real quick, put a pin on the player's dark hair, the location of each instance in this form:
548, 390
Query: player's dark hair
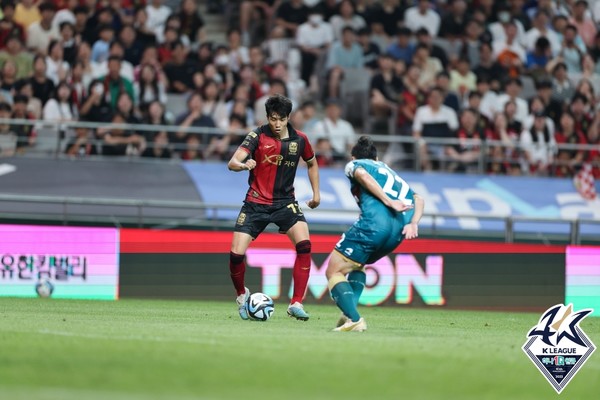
279, 105
364, 148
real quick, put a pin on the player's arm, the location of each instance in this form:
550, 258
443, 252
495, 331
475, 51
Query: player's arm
367, 181
241, 161
411, 230
313, 177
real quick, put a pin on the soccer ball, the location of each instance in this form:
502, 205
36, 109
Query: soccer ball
260, 306
44, 288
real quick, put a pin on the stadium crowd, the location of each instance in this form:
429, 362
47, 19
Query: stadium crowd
513, 83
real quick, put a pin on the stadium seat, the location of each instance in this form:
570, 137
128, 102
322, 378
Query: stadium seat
528, 90
177, 103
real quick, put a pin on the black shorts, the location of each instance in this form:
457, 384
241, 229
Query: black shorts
254, 218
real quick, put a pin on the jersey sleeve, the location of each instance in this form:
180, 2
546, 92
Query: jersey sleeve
308, 153
250, 143
350, 168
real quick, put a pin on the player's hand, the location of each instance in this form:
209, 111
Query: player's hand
411, 231
314, 202
250, 164
399, 206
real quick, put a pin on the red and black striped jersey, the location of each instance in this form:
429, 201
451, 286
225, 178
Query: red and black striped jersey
272, 180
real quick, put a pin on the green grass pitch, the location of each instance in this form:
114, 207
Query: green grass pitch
147, 349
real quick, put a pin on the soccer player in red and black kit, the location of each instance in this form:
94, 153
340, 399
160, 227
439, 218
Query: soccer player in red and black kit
271, 153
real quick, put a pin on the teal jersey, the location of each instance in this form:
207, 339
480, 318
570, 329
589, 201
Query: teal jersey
393, 185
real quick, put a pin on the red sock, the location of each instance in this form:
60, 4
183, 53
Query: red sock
237, 269
301, 270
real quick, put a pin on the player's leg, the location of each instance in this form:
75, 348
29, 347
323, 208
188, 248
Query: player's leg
250, 223
237, 270
341, 291
299, 236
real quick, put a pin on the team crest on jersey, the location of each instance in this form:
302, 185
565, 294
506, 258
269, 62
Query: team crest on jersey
558, 346
293, 149
241, 218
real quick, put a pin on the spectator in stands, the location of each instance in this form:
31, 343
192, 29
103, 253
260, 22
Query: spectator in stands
465, 154
193, 117
65, 13
8, 139
172, 32
8, 26
214, 105
402, 48
487, 106
370, 49
538, 146
386, 88
179, 70
27, 12
506, 25
586, 88
412, 97
346, 17
295, 87
512, 91
309, 115
314, 38
126, 108
505, 156
157, 14
158, 147
118, 141
559, 25
489, 67
471, 42
336, 130
41, 85
552, 108
67, 40
451, 98
569, 160
580, 109
562, 87
240, 101
100, 49
132, 46
422, 16
385, 18
569, 52
145, 34
82, 144
462, 79
541, 28
22, 60
25, 133
192, 24
433, 120
539, 58
289, 16
452, 26
155, 115
114, 83
40, 33
258, 10
582, 22
59, 108
508, 51
536, 106
8, 80
82, 13
57, 69
424, 37
24, 87
343, 54
429, 66
192, 149
149, 88
79, 84
237, 53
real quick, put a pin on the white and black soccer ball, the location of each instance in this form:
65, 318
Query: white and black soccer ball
44, 288
260, 306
